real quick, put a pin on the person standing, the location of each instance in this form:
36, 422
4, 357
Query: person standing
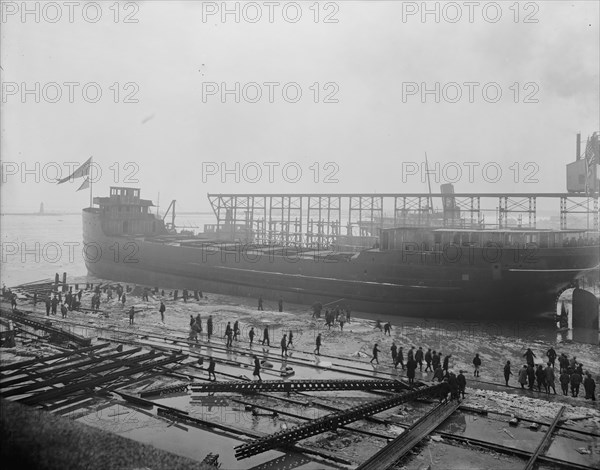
290, 339
131, 315
162, 309
13, 302
523, 376
446, 363
375, 352
211, 370
453, 382
236, 330
280, 304
540, 375
589, 385
260, 303
428, 360
436, 359
550, 378
462, 383
284, 346
400, 359
551, 353
394, 350
123, 299
507, 372
63, 310
438, 373
229, 335
317, 350
251, 335
564, 380
411, 354
575, 383
530, 376
256, 372
411, 367
48, 305
477, 364
529, 355
419, 358
266, 337
209, 327
387, 328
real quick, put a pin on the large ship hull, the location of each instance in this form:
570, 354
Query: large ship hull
459, 283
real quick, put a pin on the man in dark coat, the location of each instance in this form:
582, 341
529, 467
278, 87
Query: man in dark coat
317, 350
251, 335
565, 380
575, 383
411, 367
589, 386
529, 355
476, 364
438, 373
211, 369
453, 382
507, 372
530, 376
162, 309
551, 353
419, 358
400, 359
266, 336
375, 352
428, 360
257, 369
284, 345
394, 350
540, 375
444, 390
550, 378
462, 383
209, 327
446, 362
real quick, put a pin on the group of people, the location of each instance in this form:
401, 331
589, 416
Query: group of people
570, 374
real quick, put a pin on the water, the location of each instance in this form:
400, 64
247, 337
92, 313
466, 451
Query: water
36, 247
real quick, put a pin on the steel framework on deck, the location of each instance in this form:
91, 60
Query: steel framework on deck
320, 220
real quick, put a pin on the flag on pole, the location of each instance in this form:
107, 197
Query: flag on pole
85, 184
83, 170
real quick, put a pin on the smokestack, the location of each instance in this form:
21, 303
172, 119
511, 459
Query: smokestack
578, 147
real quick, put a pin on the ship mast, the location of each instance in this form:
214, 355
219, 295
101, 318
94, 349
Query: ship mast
428, 184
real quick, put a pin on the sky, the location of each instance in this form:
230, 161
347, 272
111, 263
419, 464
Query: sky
310, 97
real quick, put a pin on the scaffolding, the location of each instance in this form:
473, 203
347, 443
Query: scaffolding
355, 220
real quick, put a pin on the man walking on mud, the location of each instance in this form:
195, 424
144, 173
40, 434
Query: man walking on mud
266, 337
375, 352
162, 309
317, 350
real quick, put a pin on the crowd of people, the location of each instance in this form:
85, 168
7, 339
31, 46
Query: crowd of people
569, 372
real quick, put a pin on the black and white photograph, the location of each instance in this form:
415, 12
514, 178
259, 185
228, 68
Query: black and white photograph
308, 235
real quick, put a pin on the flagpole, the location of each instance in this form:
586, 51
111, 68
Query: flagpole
90, 177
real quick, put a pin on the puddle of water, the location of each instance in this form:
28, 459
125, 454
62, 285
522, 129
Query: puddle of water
492, 430
565, 444
194, 443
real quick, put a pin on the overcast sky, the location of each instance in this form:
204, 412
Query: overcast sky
370, 61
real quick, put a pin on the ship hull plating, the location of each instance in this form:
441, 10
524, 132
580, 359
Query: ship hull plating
458, 283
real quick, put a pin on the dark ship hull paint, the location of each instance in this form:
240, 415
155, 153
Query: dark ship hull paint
478, 283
